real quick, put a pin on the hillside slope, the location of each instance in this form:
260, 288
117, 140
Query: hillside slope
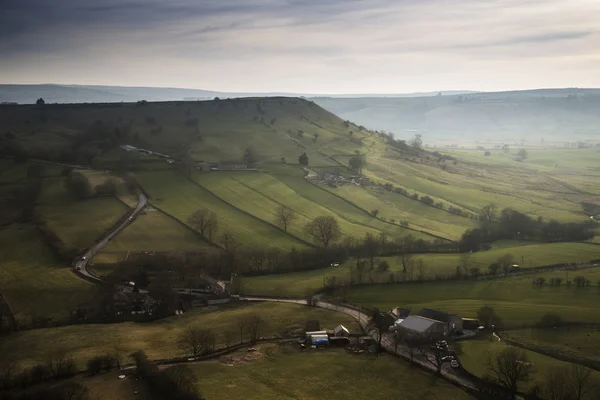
553, 114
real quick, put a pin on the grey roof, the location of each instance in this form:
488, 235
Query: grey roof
434, 314
341, 328
417, 324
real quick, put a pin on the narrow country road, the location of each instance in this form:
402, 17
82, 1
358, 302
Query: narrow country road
81, 266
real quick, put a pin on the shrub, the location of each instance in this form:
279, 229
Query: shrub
550, 320
383, 266
427, 200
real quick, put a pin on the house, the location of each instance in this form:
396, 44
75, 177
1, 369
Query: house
471, 323
452, 323
319, 340
204, 167
400, 313
422, 326
341, 330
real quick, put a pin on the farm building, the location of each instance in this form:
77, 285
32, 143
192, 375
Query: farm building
422, 326
400, 313
340, 331
453, 323
232, 165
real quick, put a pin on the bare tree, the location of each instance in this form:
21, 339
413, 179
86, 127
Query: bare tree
253, 325
371, 248
405, 247
580, 380
284, 216
241, 324
228, 337
488, 213
556, 385
464, 262
71, 391
183, 377
324, 229
421, 268
196, 340
506, 262
205, 221
509, 368
60, 364
187, 164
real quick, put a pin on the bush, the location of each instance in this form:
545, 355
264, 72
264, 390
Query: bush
383, 266
550, 320
427, 200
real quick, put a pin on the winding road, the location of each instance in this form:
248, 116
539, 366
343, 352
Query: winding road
81, 266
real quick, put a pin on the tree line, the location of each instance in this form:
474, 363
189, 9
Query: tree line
512, 224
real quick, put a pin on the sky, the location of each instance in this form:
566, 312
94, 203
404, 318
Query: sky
309, 46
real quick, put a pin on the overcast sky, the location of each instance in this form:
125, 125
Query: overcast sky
309, 46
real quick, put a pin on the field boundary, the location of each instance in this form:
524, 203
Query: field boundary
195, 232
378, 219
253, 216
586, 362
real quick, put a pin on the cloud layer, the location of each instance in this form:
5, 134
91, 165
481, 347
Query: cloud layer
309, 46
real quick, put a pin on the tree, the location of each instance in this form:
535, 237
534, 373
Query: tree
357, 163
579, 380
253, 325
509, 368
464, 262
241, 324
284, 216
250, 157
522, 154
69, 391
371, 248
78, 185
183, 378
383, 266
195, 340
187, 164
417, 141
506, 262
60, 364
488, 213
303, 160
323, 229
40, 102
488, 317
494, 268
405, 248
205, 221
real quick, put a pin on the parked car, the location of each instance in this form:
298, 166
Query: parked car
447, 358
83, 258
454, 364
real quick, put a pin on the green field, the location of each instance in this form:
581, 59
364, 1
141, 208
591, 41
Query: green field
78, 223
476, 354
160, 339
287, 373
573, 342
516, 300
261, 193
172, 192
302, 283
155, 231
33, 282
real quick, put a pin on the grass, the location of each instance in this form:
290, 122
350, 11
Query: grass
476, 354
302, 283
32, 281
516, 300
78, 223
574, 342
155, 231
261, 193
175, 194
287, 373
160, 339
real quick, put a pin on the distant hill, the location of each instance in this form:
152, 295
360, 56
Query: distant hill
28, 94
552, 114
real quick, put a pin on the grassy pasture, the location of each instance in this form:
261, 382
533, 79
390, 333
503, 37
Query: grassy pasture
160, 339
154, 231
175, 194
287, 373
301, 283
576, 342
32, 281
77, 223
516, 300
476, 354
261, 193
